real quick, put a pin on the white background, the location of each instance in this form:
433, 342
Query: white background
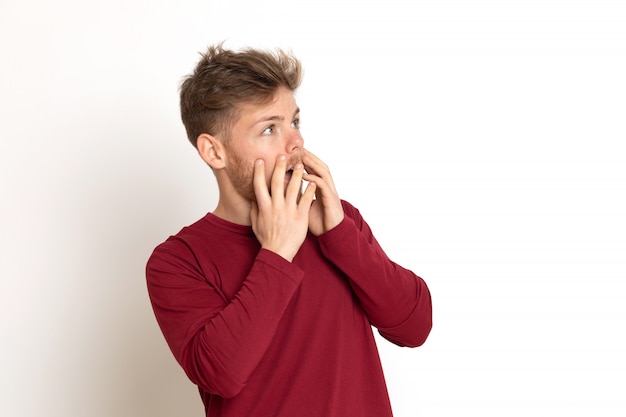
484, 142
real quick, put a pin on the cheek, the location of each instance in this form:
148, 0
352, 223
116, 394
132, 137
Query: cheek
270, 163
269, 157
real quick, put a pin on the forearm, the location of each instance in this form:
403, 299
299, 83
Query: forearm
395, 300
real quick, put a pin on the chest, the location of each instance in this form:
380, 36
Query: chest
322, 282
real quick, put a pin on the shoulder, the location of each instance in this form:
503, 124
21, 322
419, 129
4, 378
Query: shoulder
182, 244
207, 243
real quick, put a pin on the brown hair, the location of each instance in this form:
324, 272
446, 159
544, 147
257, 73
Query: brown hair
223, 78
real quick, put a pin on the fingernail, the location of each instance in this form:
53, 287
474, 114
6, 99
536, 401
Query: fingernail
259, 162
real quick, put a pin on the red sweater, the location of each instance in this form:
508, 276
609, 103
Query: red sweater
263, 337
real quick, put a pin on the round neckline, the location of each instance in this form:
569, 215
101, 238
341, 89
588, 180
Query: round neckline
228, 225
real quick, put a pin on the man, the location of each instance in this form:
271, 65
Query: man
268, 302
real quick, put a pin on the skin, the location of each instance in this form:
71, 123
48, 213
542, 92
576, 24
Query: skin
260, 170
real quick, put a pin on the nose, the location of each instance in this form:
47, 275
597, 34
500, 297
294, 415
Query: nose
295, 142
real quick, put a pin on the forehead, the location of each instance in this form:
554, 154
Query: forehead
281, 105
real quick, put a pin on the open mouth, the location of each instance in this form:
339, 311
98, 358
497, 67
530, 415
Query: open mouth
289, 172
288, 175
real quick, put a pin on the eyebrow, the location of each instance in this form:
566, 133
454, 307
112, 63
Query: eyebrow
279, 118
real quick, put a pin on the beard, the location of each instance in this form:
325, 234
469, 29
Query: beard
242, 176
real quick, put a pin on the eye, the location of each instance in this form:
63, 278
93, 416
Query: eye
269, 130
296, 123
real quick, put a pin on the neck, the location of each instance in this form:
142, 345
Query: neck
231, 206
237, 212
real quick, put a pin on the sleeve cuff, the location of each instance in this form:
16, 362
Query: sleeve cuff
280, 264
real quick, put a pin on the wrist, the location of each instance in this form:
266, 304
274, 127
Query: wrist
285, 254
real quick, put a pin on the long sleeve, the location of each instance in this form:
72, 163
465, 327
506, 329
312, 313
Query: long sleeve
396, 301
218, 339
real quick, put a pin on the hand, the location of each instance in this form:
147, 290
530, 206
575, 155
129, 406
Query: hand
280, 218
326, 211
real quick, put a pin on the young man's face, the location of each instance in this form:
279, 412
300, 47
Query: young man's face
263, 132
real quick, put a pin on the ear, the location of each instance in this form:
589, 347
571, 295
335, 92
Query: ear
211, 150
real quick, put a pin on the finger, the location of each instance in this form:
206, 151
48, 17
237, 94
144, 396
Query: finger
324, 183
317, 171
306, 154
294, 187
309, 153
277, 188
260, 186
307, 197
313, 164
